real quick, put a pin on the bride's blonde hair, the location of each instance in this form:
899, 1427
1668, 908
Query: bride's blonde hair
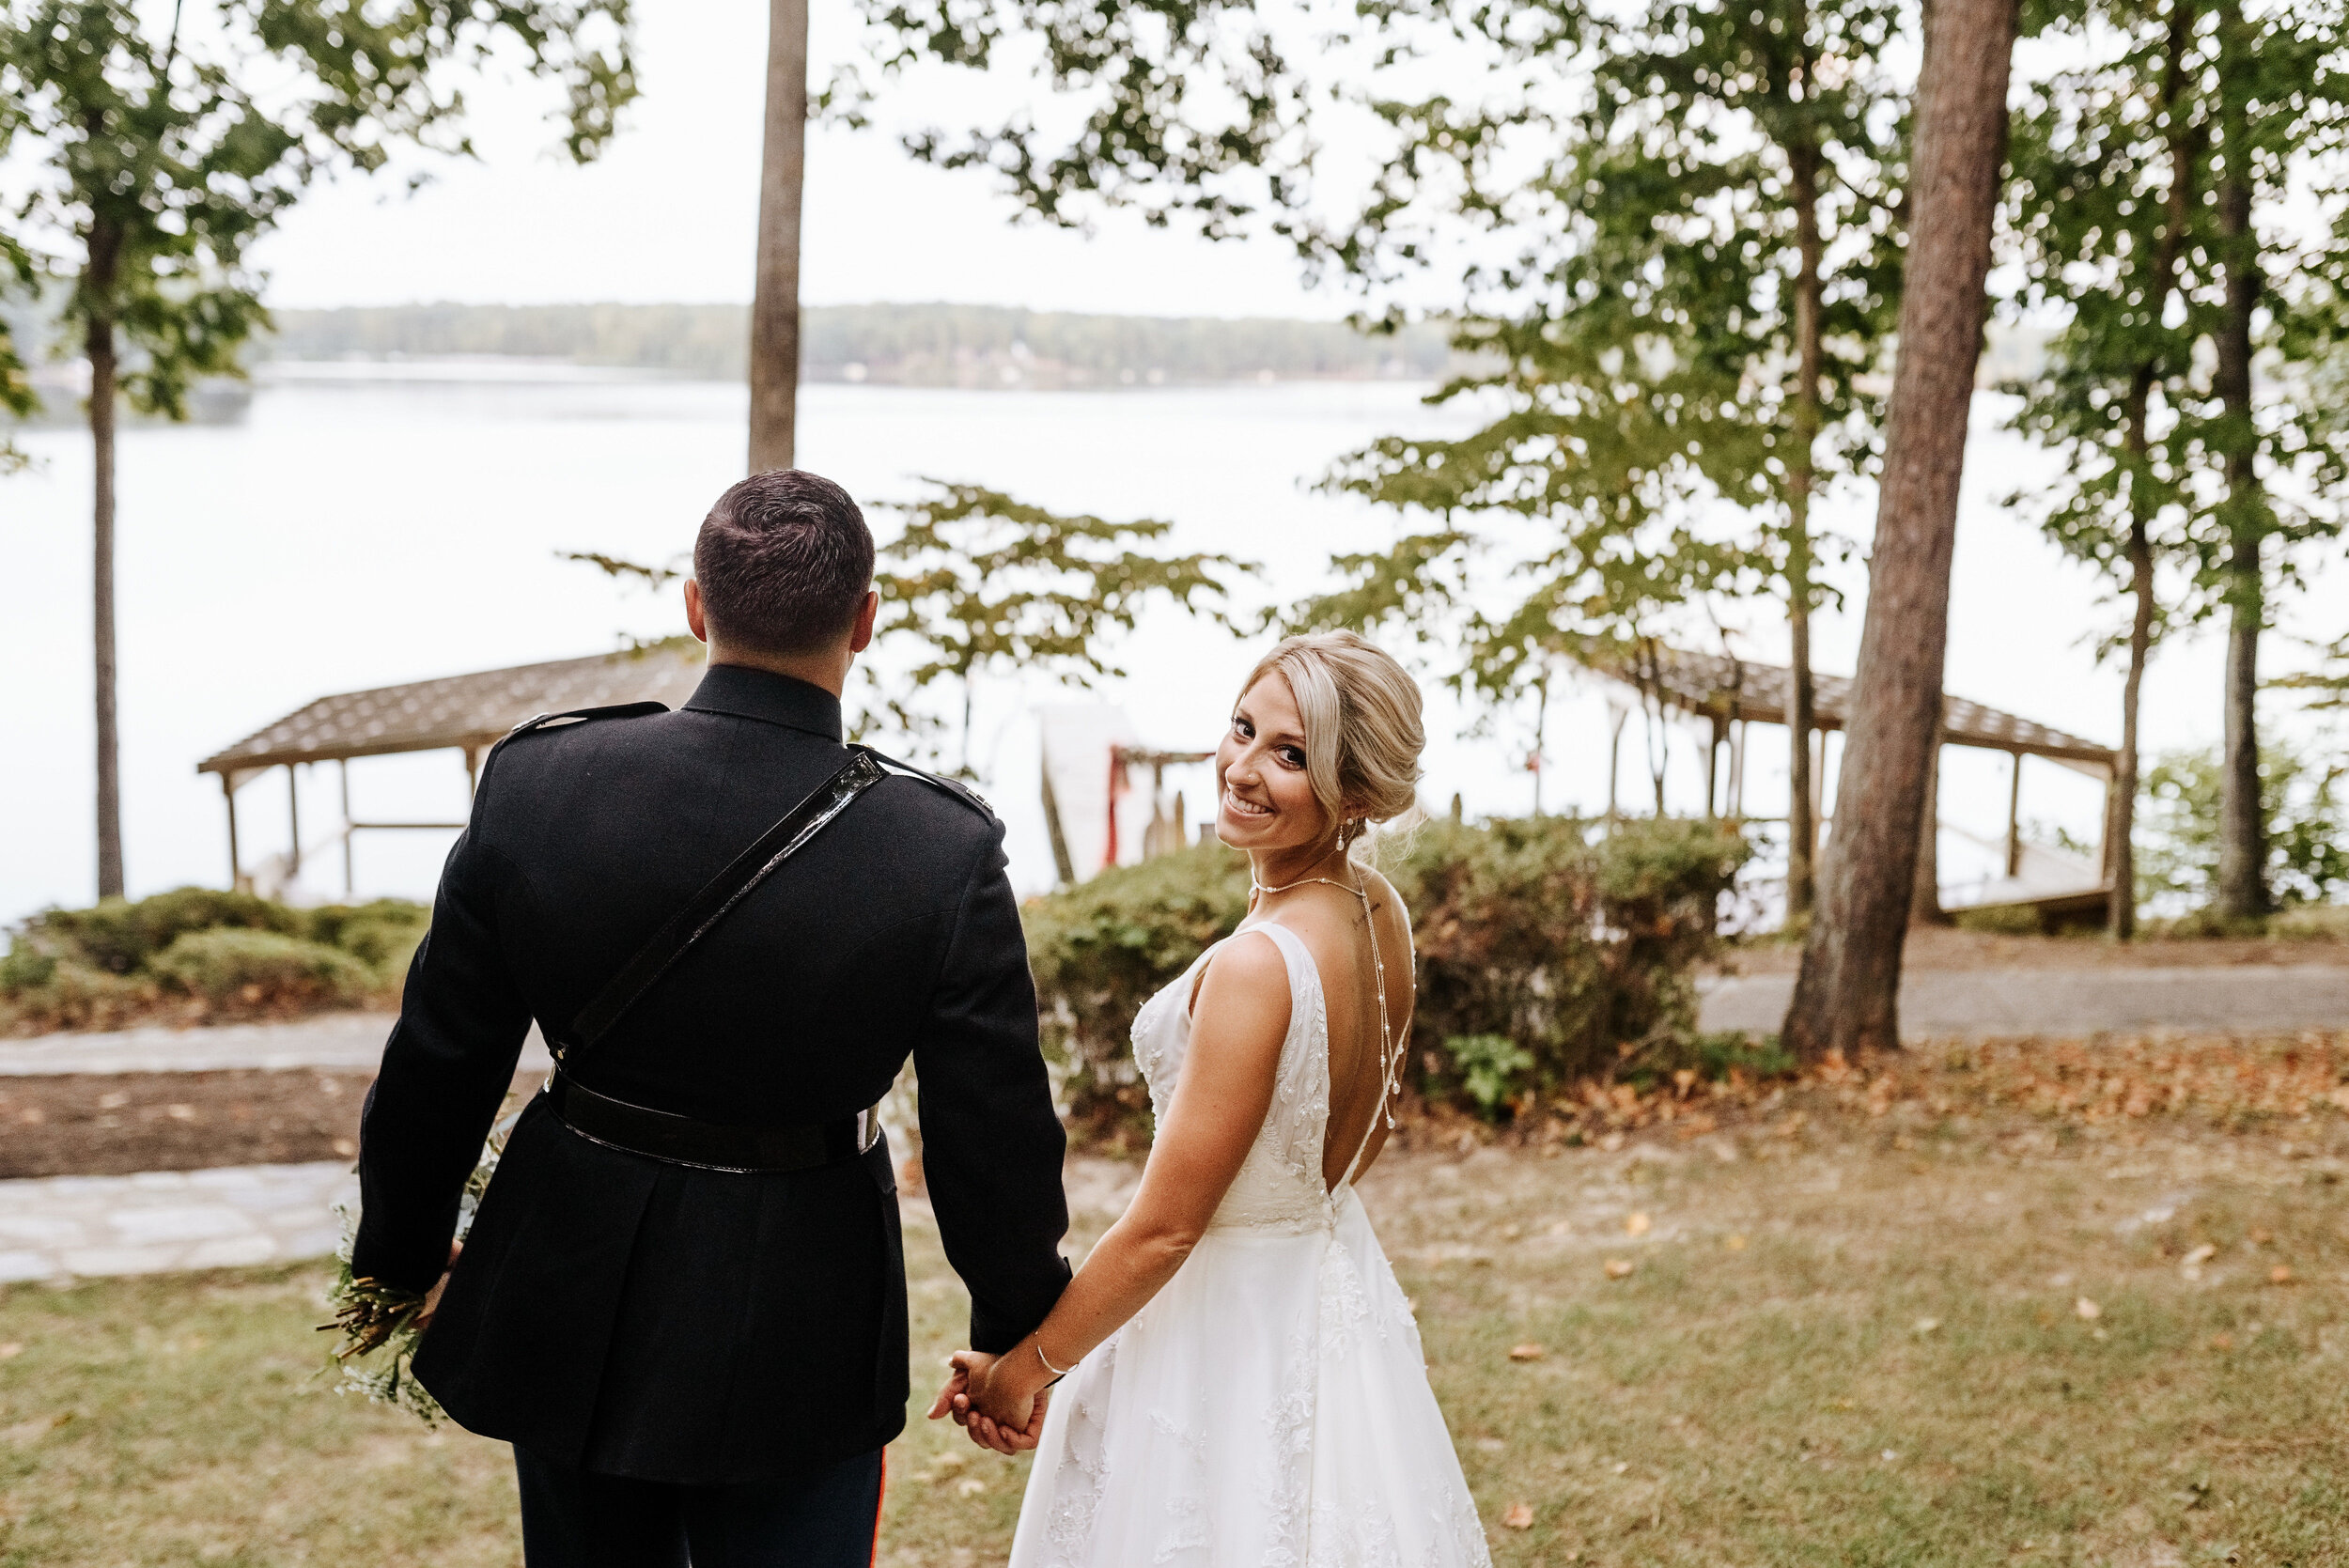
1362, 729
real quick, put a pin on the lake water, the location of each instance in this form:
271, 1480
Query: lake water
361, 531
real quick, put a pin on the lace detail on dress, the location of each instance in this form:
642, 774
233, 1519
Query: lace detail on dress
1279, 1186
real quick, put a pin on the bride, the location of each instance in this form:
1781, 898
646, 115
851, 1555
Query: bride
1244, 1379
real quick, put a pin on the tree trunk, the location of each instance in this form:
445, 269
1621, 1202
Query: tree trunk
98, 342
1924, 903
2120, 824
2121, 821
2242, 829
1847, 995
1802, 828
775, 303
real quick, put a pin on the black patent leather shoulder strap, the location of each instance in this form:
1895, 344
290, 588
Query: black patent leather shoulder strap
717, 899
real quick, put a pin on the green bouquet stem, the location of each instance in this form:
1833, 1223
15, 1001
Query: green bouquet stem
379, 1322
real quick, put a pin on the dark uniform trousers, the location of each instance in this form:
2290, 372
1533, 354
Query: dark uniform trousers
691, 1360
826, 1518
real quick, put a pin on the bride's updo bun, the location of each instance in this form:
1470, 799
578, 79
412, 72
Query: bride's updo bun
1362, 729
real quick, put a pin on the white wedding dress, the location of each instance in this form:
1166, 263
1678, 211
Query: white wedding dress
1269, 1408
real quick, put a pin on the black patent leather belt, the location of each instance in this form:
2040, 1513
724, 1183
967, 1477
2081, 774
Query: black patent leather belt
709, 1146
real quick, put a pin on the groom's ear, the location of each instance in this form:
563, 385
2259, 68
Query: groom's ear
860, 631
694, 621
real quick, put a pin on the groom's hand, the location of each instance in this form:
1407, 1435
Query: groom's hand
954, 1398
432, 1296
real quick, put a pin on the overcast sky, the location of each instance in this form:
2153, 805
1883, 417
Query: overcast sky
670, 212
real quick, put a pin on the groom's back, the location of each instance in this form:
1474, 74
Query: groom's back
804, 1002
689, 1266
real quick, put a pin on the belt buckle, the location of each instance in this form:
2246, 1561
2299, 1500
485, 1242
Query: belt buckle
868, 1129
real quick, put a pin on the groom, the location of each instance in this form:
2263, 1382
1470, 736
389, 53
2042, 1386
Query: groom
683, 1298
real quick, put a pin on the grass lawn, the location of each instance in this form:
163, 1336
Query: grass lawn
1842, 1340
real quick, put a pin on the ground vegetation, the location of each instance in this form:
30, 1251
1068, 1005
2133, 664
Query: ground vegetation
1821, 1334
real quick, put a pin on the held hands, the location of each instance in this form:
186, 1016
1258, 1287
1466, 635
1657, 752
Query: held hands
994, 1399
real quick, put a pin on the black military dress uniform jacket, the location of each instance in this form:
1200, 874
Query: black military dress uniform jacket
638, 1318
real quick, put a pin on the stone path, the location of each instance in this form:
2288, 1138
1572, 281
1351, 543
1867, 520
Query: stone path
2241, 999
352, 1040
53, 1227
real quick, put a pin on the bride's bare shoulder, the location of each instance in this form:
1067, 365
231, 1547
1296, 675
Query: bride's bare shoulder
1249, 972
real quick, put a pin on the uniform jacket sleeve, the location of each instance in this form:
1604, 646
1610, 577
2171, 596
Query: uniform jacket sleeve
992, 1145
447, 1069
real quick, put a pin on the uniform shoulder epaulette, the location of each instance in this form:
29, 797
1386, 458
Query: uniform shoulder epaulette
615, 710
531, 725
960, 791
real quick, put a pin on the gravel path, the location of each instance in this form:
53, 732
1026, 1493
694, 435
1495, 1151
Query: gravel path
2264, 999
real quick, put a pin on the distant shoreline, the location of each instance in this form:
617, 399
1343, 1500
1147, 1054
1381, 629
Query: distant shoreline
972, 347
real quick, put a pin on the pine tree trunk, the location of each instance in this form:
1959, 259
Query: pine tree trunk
2242, 828
1924, 901
98, 344
1847, 995
775, 302
1802, 828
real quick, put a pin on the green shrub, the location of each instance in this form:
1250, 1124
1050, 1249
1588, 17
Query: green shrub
1491, 1067
122, 937
382, 935
232, 965
1569, 945
1100, 949
2000, 920
60, 993
2311, 923
106, 966
1577, 941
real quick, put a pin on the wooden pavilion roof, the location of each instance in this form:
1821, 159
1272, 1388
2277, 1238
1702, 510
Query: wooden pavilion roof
1720, 687
471, 710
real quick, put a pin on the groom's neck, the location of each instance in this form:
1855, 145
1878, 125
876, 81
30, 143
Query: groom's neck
827, 668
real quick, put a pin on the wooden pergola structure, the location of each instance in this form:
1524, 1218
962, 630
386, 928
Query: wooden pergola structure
1732, 693
466, 713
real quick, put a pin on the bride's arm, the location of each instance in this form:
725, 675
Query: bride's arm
1239, 1022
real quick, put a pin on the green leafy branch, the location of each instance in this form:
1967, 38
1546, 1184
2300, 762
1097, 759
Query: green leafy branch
976, 581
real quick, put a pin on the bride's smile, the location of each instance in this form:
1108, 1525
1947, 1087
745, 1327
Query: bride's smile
1264, 793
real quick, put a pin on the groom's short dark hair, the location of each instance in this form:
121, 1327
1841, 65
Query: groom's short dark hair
784, 560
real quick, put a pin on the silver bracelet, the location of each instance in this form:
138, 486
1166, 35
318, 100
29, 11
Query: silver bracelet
1058, 1372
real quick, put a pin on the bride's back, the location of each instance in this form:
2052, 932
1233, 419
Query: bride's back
1329, 919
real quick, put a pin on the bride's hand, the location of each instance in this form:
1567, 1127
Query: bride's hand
1004, 1403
